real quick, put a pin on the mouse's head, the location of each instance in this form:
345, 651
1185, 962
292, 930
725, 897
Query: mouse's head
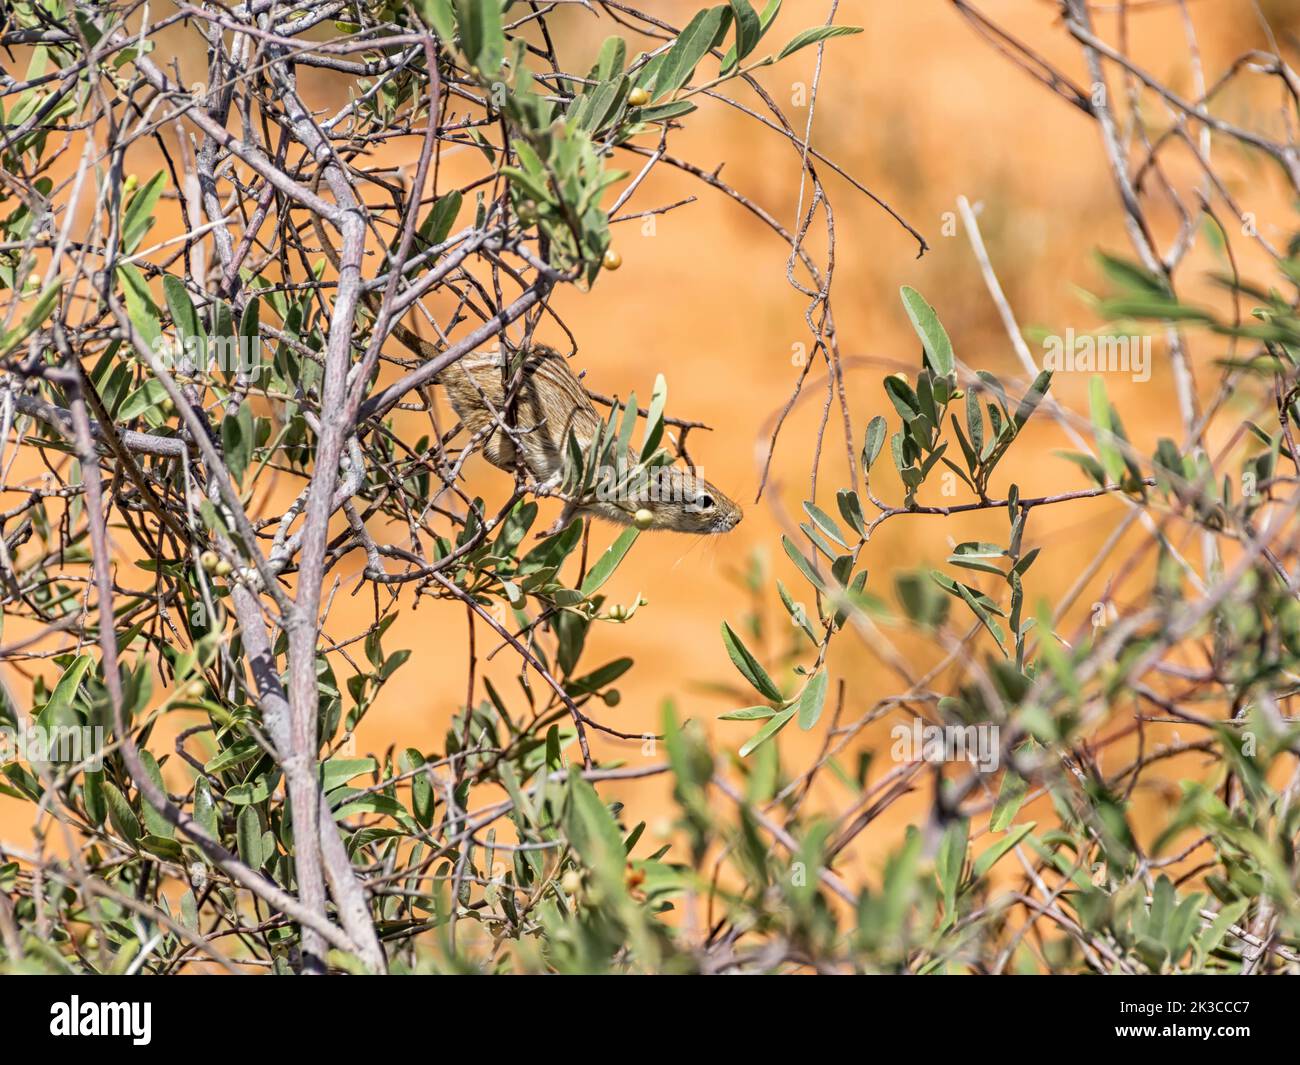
674, 499
702, 508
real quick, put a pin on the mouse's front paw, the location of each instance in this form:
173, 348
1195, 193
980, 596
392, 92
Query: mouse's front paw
561, 523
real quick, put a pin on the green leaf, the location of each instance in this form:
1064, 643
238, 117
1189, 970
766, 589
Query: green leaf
691, 46
238, 435
1087, 463
248, 834
596, 107
798, 614
1032, 398
482, 34
974, 426
972, 555
1132, 277
1021, 567
1162, 904
138, 216
154, 822
599, 678
60, 700
851, 510
769, 730
663, 112
749, 666
609, 561
120, 813
938, 348
190, 911
990, 857
802, 563
258, 790
438, 16
1183, 925
812, 700
874, 441
814, 36
596, 838
1112, 462
393, 663
1162, 310
143, 401
1228, 916
384, 805
749, 713
654, 429
765, 21
35, 317
532, 187
337, 771
611, 62
628, 423
826, 523
92, 795
140, 307
593, 830
240, 751
955, 590
169, 850
922, 601
422, 798
903, 398
205, 810
949, 863
748, 31
553, 550
249, 328
181, 308
437, 224
1011, 795
986, 619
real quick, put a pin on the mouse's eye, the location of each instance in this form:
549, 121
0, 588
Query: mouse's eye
704, 501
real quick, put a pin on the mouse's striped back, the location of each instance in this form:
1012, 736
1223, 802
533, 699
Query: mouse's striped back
549, 403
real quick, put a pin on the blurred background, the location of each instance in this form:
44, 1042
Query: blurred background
921, 110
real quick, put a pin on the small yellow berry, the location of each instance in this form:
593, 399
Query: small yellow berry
223, 568
209, 561
638, 97
571, 881
612, 259
195, 689
643, 518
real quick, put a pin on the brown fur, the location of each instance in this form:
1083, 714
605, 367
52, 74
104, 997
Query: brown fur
550, 403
